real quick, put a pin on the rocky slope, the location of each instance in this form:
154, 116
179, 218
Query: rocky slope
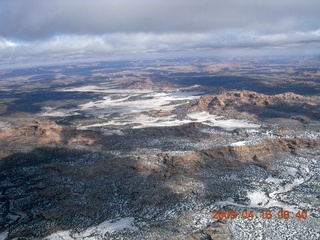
57, 178
233, 157
248, 104
42, 134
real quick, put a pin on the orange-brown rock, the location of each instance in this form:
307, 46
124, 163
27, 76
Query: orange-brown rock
282, 131
203, 103
41, 134
81, 139
238, 102
231, 157
267, 150
159, 113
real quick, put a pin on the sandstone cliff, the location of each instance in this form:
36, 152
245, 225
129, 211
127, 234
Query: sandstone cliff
246, 103
42, 134
233, 157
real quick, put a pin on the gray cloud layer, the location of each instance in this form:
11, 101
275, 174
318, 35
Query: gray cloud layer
40, 18
38, 27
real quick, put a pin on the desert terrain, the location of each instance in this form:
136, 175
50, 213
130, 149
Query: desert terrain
149, 149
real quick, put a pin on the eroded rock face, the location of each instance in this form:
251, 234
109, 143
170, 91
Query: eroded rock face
159, 113
233, 157
38, 128
246, 103
41, 134
267, 150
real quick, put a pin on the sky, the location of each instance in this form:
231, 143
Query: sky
52, 30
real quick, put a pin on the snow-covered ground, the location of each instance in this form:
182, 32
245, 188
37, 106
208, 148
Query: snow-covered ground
135, 103
3, 235
55, 112
96, 232
284, 188
287, 188
122, 107
143, 120
4, 125
239, 144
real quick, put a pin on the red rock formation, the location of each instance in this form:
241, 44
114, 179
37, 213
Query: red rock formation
231, 157
41, 134
237, 103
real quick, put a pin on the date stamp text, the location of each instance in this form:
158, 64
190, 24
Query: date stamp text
264, 214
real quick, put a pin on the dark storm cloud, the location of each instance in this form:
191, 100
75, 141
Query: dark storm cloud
31, 19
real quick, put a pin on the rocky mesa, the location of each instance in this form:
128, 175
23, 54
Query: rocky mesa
253, 105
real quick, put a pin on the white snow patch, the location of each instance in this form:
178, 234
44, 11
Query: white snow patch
54, 112
151, 101
146, 121
227, 124
273, 180
112, 132
4, 125
109, 226
231, 124
96, 125
110, 88
4, 235
229, 201
239, 144
202, 116
292, 171
143, 120
257, 198
250, 131
95, 232
61, 235
234, 177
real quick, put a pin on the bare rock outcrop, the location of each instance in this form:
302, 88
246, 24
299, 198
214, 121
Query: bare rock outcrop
42, 134
25, 138
267, 150
159, 113
232, 157
237, 103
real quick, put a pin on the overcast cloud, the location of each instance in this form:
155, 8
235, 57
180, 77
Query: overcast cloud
69, 28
